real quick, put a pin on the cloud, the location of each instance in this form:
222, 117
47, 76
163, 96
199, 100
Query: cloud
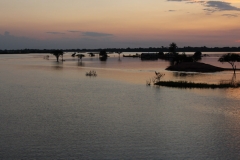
6, 33
221, 6
96, 34
55, 33
177, 0
230, 15
215, 38
187, 1
8, 41
91, 34
211, 6
73, 31
193, 1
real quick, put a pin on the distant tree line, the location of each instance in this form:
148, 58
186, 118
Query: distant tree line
150, 49
175, 58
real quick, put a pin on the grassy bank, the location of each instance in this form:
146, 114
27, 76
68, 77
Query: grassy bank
185, 84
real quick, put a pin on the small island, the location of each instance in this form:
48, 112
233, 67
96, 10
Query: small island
189, 64
195, 67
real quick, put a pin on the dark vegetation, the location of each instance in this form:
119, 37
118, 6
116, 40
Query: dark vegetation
231, 58
185, 84
150, 49
119, 52
177, 58
91, 54
57, 54
156, 80
103, 55
80, 56
91, 73
194, 67
190, 64
180, 62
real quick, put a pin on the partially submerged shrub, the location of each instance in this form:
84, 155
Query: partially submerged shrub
157, 77
148, 82
91, 73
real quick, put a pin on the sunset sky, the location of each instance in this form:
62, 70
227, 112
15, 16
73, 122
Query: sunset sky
125, 23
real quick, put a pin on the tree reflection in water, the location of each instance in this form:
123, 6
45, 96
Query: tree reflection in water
80, 64
232, 81
57, 65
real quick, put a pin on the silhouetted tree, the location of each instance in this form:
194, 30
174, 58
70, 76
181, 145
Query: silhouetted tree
74, 54
181, 57
173, 47
197, 56
157, 77
118, 52
231, 58
173, 55
103, 55
160, 53
80, 56
57, 54
91, 54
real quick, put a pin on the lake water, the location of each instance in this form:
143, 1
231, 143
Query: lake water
51, 110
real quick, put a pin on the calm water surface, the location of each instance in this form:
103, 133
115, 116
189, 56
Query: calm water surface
52, 110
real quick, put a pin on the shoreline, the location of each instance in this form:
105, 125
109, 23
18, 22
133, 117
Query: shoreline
185, 84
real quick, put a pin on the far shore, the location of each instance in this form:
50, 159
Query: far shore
149, 49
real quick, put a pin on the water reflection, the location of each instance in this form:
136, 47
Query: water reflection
57, 65
234, 78
119, 59
232, 81
80, 64
103, 58
132, 69
233, 93
184, 74
111, 119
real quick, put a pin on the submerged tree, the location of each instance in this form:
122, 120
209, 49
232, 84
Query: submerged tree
231, 58
119, 52
173, 47
74, 54
173, 55
197, 56
57, 54
157, 77
91, 54
80, 57
103, 55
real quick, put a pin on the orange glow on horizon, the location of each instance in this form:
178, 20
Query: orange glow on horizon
144, 20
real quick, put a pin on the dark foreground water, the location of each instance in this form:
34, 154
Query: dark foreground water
53, 111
